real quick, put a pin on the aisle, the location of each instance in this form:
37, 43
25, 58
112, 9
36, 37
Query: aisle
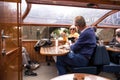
44, 73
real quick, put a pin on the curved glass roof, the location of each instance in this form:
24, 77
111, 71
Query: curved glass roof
112, 20
52, 14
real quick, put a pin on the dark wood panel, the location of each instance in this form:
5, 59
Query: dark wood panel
35, 56
11, 0
101, 4
11, 68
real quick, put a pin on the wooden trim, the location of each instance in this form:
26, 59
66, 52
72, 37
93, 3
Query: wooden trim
18, 1
110, 2
107, 4
105, 26
104, 16
49, 25
33, 24
11, 51
26, 11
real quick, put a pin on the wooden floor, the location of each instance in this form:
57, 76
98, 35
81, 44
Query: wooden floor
46, 72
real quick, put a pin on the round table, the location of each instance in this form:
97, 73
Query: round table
79, 76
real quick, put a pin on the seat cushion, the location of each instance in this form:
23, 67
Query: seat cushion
89, 69
111, 68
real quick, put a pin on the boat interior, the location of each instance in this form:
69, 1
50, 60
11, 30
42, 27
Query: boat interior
24, 22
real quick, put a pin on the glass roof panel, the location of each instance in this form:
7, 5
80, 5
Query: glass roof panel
52, 14
112, 20
24, 6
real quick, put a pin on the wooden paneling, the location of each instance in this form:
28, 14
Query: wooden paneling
10, 64
35, 56
11, 68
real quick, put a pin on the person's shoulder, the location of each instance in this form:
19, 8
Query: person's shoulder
117, 45
76, 33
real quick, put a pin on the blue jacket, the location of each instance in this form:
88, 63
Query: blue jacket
86, 43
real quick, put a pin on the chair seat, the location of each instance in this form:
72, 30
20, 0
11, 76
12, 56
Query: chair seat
111, 68
88, 69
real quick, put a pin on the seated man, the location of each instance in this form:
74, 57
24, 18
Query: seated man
81, 50
27, 63
114, 56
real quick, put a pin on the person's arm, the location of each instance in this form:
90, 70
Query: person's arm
112, 42
87, 38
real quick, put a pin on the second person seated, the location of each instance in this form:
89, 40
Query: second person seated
73, 36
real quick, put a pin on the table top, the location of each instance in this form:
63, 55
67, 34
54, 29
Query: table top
113, 48
79, 76
53, 51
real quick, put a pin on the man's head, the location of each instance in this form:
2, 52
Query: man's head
118, 32
80, 22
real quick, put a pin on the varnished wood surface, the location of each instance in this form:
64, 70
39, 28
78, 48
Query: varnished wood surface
53, 51
113, 48
79, 76
35, 56
10, 64
11, 69
11, 0
102, 4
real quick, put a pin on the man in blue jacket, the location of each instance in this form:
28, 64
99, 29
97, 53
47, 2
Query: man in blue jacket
81, 50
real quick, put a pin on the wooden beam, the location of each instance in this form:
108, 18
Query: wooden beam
103, 17
18, 1
102, 4
106, 26
109, 2
49, 25
26, 11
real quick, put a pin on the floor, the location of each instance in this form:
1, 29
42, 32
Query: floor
46, 72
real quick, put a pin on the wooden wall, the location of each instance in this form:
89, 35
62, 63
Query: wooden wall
35, 56
10, 68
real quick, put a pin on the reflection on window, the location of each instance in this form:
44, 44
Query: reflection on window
41, 32
52, 14
105, 34
113, 20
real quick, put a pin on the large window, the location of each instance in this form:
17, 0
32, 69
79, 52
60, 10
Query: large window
112, 20
41, 32
51, 14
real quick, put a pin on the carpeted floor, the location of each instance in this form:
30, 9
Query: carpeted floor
45, 72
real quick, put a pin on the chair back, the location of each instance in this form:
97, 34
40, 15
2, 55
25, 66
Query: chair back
100, 56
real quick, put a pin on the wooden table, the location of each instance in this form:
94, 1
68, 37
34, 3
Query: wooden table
53, 51
79, 76
113, 49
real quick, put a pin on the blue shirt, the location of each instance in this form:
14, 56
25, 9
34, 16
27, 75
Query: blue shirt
86, 43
